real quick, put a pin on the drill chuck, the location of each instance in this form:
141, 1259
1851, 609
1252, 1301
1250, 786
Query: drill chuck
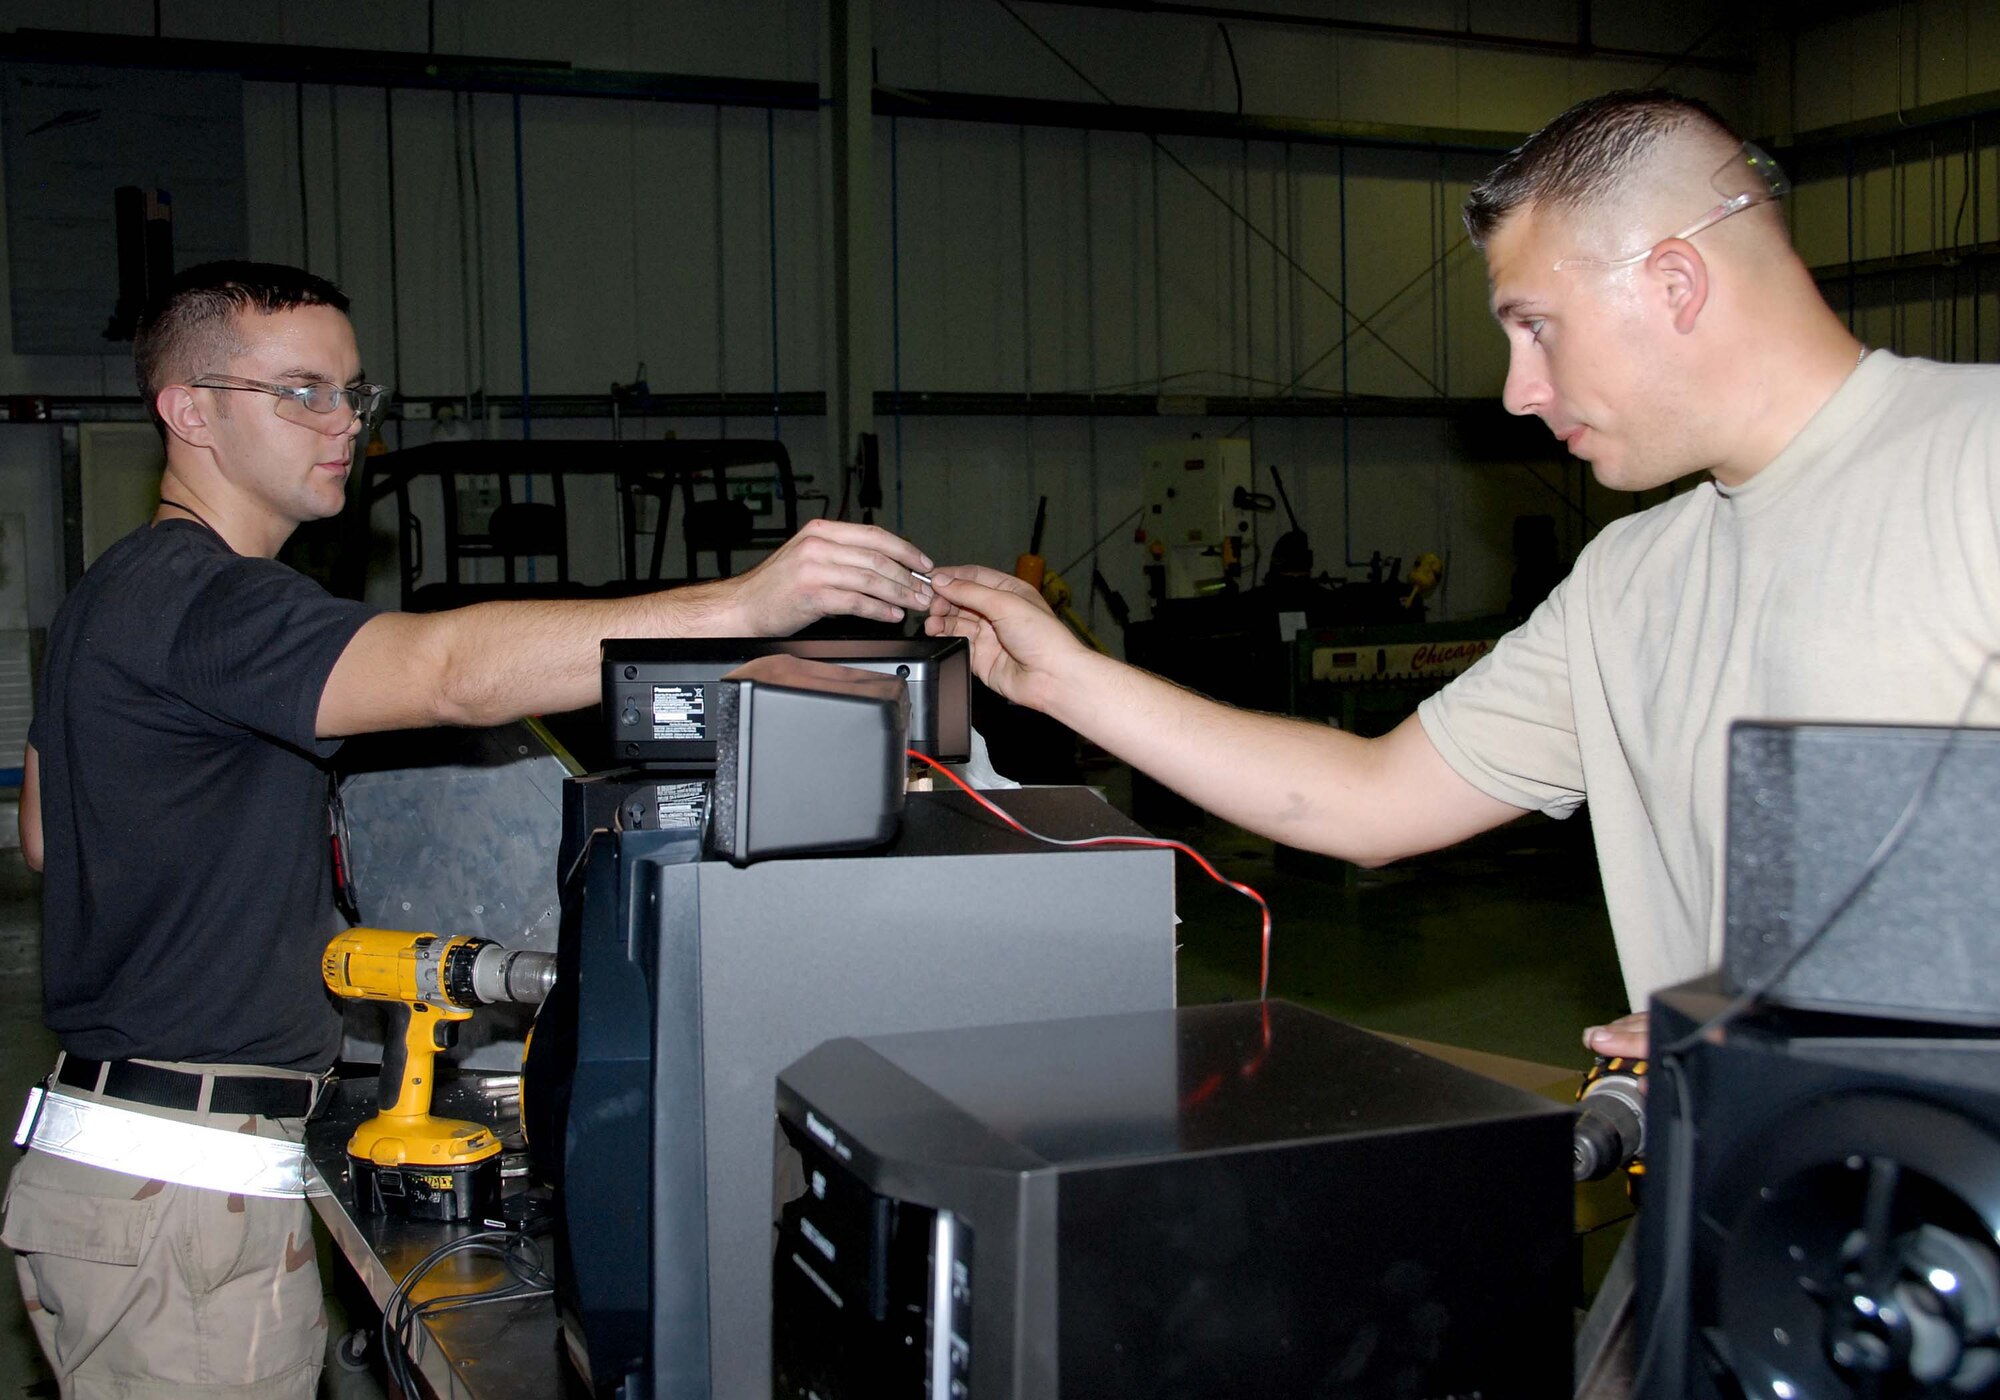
512, 974
1610, 1123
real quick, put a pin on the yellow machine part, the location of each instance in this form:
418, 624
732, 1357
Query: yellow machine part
381, 964
422, 1141
395, 966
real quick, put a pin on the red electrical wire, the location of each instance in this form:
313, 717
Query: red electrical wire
1155, 842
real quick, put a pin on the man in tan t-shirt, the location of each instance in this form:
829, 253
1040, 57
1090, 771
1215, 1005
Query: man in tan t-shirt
1838, 559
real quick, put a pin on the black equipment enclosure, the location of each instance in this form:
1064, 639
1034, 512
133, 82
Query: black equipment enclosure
1822, 1206
660, 693
1248, 1199
809, 758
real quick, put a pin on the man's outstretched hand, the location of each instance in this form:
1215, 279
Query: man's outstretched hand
830, 568
1018, 645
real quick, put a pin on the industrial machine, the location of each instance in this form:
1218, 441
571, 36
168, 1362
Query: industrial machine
405, 1161
1199, 518
1268, 633
1248, 1199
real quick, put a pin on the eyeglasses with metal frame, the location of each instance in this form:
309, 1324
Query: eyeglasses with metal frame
1746, 178
309, 405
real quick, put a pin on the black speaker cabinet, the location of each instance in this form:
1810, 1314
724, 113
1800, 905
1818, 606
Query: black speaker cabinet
1822, 1207
1808, 805
1212, 1202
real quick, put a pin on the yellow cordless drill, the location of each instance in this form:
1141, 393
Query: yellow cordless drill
405, 1161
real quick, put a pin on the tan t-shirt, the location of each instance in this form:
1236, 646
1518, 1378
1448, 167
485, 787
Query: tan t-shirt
1857, 577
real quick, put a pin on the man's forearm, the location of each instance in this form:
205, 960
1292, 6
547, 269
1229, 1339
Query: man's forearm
511, 659
1304, 784
31, 808
494, 662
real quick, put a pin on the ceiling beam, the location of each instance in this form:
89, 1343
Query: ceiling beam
1180, 121
1910, 121
298, 63
1464, 38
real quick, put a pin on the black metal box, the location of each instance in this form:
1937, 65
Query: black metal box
1822, 1205
1243, 1200
659, 693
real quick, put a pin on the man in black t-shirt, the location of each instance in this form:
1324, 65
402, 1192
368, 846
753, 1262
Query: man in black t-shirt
175, 800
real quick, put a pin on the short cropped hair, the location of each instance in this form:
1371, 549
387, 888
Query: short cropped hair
1579, 158
194, 330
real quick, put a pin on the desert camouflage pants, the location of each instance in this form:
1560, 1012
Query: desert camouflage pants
146, 1290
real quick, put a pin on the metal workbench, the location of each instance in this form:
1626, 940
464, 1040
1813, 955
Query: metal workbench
502, 1351
509, 1350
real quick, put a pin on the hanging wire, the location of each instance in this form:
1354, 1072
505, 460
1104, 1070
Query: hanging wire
395, 290
896, 303
1346, 419
1159, 305
333, 143
638, 320
1216, 195
1027, 319
721, 295
1280, 219
521, 276
1234, 70
464, 254
1090, 347
299, 138
1142, 842
478, 234
771, 204
1360, 322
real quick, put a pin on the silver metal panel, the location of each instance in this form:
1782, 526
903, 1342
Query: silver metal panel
456, 831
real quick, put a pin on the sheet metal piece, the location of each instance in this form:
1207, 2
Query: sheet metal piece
456, 831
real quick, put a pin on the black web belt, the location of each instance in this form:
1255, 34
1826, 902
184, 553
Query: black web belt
172, 1088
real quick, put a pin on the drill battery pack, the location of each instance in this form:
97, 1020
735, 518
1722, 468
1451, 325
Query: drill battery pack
461, 1191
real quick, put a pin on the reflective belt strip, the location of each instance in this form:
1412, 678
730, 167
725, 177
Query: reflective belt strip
28, 1116
165, 1149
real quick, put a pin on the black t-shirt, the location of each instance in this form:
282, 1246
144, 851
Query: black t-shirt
187, 894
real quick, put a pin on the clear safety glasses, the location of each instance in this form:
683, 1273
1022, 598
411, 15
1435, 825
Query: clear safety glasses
1746, 178
315, 406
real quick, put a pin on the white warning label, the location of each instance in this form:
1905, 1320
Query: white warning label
681, 804
679, 712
